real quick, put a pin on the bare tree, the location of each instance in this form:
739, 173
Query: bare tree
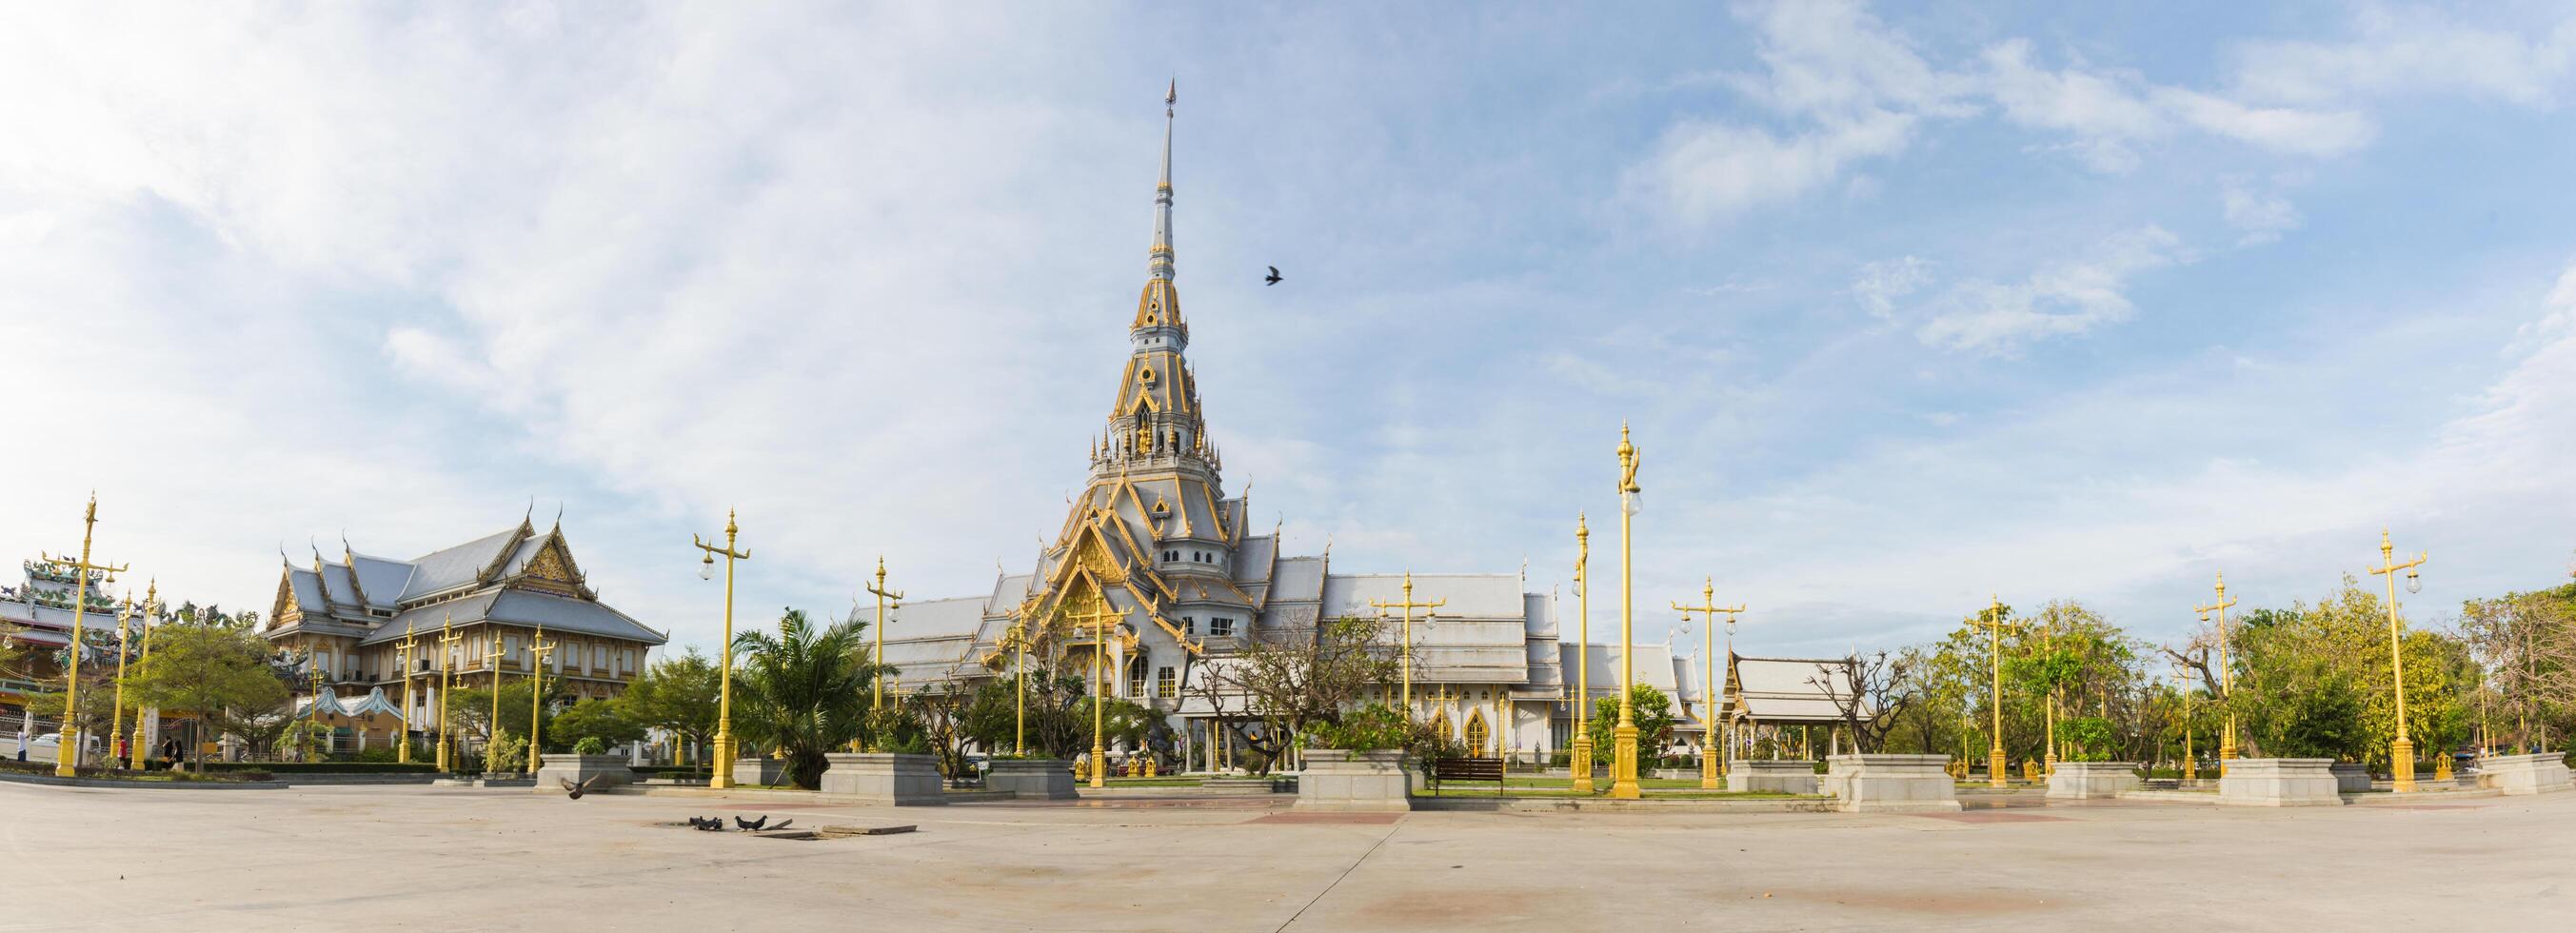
1874, 693
1284, 681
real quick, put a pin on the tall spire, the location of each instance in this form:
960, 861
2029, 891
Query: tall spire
1159, 263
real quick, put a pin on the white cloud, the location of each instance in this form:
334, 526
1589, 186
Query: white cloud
1708, 171
2261, 218
2402, 52
1882, 282
2061, 300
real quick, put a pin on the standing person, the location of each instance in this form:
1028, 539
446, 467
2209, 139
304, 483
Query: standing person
22, 743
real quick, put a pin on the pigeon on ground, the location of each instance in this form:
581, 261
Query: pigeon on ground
751, 825
1274, 277
700, 823
576, 790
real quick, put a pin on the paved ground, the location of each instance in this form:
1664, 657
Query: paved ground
417, 858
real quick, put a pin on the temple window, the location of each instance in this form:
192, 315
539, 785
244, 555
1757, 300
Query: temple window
1166, 686
1221, 627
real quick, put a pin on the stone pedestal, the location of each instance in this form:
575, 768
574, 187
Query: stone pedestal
2279, 782
885, 777
611, 771
2518, 775
2092, 780
1370, 781
1773, 777
2351, 777
759, 771
1031, 778
1893, 783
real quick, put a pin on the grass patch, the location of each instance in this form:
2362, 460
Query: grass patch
1148, 782
1457, 789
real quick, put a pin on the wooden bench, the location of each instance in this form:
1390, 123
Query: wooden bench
1469, 769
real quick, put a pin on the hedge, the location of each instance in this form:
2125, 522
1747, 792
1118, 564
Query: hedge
92, 772
322, 767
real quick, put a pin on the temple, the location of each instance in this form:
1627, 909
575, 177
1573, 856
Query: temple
36, 622
1157, 553
364, 622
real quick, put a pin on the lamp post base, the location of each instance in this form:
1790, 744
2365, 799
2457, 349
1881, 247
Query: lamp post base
67, 755
1099, 766
1995, 773
721, 775
1708, 769
2226, 753
2401, 766
1623, 763
1578, 763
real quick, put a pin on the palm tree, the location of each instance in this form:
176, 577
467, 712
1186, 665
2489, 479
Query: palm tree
804, 691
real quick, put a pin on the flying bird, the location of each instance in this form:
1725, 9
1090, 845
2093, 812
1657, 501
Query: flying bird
751, 825
576, 790
1274, 277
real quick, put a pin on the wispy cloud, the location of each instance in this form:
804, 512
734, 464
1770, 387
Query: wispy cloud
2063, 299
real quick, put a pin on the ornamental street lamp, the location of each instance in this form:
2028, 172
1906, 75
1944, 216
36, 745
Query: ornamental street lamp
68, 754
135, 746
447, 640
493, 746
116, 713
721, 773
1623, 739
1708, 610
1406, 656
1993, 620
882, 595
405, 654
538, 651
2226, 673
1579, 763
1099, 619
2401, 753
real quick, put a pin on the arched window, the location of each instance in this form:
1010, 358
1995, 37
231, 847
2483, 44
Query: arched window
1440, 724
1476, 734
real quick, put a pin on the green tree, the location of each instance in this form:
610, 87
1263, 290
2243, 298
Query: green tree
469, 709
676, 695
224, 673
1653, 712
592, 718
804, 691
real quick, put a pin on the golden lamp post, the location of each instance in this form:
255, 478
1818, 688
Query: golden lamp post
492, 746
447, 640
882, 594
721, 775
1993, 620
134, 747
2226, 673
68, 754
1020, 676
116, 707
1406, 656
2048, 636
538, 651
1623, 739
313, 708
1579, 763
404, 653
1098, 766
2401, 753
1708, 610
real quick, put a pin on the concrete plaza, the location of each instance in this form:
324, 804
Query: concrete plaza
418, 858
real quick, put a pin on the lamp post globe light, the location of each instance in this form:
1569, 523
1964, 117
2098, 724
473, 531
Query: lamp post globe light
720, 775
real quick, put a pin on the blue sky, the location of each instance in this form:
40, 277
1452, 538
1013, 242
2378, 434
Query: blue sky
1905, 305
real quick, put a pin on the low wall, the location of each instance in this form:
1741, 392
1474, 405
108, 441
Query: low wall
2279, 782
885, 777
1372, 781
2519, 775
2092, 780
1893, 783
1772, 777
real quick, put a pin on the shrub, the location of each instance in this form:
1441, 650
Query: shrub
590, 745
1375, 726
